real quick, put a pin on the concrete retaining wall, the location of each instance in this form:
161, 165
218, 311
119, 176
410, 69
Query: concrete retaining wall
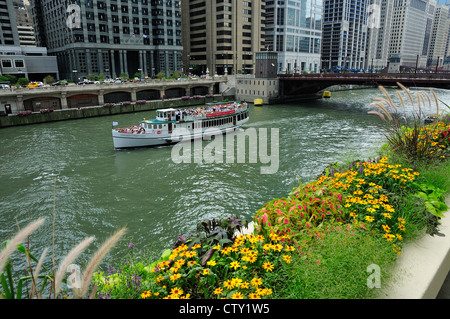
94, 111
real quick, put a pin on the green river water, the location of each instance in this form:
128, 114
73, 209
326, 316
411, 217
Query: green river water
99, 190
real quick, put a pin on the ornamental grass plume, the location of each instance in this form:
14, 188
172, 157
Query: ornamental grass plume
97, 259
70, 257
12, 244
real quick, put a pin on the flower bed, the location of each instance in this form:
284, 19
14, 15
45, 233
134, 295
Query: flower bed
45, 111
25, 113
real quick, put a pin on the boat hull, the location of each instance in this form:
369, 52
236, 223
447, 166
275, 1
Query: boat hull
127, 140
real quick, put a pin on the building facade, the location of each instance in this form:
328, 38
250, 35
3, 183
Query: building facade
439, 36
412, 22
110, 37
24, 23
8, 26
344, 38
221, 36
379, 34
294, 31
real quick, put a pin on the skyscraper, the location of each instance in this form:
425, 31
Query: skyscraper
344, 38
222, 35
110, 36
24, 23
294, 31
8, 25
439, 36
412, 22
379, 33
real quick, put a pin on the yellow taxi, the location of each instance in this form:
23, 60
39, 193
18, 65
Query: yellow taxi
33, 85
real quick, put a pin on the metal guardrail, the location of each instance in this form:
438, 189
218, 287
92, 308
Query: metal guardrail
368, 76
127, 85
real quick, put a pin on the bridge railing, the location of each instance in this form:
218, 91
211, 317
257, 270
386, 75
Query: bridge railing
368, 76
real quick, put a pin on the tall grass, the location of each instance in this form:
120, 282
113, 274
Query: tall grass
9, 289
404, 132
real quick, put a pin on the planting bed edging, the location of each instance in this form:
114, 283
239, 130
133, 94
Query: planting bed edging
423, 266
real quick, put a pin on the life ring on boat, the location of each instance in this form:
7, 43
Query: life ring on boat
159, 132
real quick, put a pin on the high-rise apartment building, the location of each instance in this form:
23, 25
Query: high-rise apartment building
294, 31
344, 37
439, 36
110, 36
379, 34
222, 36
412, 22
8, 25
443, 2
24, 23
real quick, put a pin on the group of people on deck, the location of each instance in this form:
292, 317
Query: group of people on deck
132, 130
211, 109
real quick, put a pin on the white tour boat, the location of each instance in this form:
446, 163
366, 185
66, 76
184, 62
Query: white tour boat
173, 125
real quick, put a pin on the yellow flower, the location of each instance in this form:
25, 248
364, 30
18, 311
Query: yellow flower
287, 258
196, 246
211, 263
236, 282
176, 291
205, 271
237, 295
235, 264
254, 296
256, 282
217, 247
289, 248
268, 266
370, 219
386, 228
228, 284
218, 291
175, 277
146, 294
245, 285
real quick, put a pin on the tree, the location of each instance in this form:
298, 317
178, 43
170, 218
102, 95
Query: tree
124, 76
92, 77
176, 74
101, 77
49, 79
137, 75
160, 75
8, 78
23, 82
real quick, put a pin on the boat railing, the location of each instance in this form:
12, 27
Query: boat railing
202, 116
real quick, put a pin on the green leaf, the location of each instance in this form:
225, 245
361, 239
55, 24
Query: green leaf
166, 253
421, 195
6, 290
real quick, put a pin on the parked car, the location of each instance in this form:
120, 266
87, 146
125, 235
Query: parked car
58, 83
4, 86
85, 81
33, 85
